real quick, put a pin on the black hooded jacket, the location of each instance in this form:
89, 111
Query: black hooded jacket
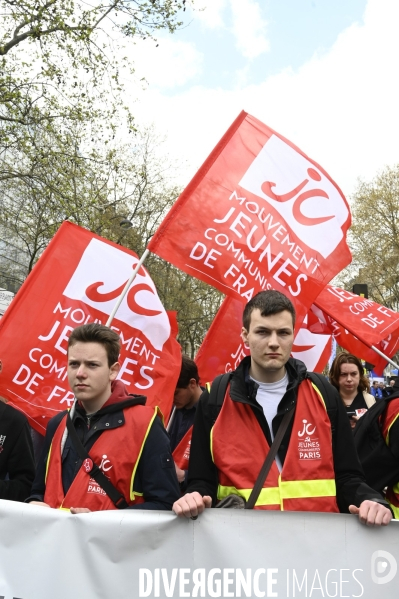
350, 483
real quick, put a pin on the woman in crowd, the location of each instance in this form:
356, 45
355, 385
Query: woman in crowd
347, 375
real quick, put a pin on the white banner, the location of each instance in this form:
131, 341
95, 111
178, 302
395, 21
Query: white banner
50, 554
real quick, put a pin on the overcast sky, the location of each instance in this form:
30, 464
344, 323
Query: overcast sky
323, 73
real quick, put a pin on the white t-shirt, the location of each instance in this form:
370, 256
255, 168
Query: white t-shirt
269, 396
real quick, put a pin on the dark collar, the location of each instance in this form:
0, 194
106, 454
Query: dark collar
243, 389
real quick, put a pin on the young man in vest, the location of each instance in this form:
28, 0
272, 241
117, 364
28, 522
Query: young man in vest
316, 467
117, 432
186, 397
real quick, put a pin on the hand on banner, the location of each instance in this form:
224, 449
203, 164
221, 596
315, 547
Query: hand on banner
372, 513
41, 503
191, 505
80, 510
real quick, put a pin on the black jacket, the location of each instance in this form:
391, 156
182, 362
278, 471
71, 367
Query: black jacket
350, 483
155, 476
17, 466
394, 430
380, 462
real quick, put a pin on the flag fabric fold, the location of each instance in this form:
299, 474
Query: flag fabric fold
356, 324
259, 214
78, 279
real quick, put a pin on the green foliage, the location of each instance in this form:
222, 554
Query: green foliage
61, 108
55, 181
196, 302
58, 66
374, 237
131, 186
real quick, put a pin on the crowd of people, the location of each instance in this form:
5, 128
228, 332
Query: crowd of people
269, 435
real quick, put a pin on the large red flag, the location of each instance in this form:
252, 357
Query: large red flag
77, 280
259, 214
223, 349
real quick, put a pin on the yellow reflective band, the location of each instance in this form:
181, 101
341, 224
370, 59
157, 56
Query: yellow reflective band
395, 511
295, 489
279, 484
269, 496
64, 509
48, 462
161, 416
319, 394
389, 428
395, 488
211, 442
49, 454
132, 493
287, 490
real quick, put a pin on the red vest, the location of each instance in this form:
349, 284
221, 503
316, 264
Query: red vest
307, 480
181, 453
388, 418
117, 451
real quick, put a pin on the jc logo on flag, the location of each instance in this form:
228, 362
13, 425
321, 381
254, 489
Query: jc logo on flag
265, 217
99, 280
78, 280
306, 199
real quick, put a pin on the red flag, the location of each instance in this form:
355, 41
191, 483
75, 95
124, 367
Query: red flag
223, 349
259, 214
388, 346
314, 349
77, 280
368, 321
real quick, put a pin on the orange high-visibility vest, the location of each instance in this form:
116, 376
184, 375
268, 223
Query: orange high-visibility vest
307, 480
387, 419
181, 453
116, 451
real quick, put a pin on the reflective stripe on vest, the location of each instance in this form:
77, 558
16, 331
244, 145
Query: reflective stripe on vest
309, 455
390, 416
392, 495
156, 412
117, 451
293, 489
389, 428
